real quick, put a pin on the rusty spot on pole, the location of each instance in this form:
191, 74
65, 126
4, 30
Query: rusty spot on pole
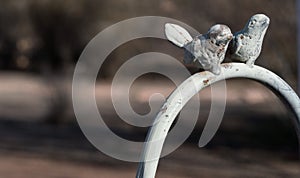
205, 82
164, 109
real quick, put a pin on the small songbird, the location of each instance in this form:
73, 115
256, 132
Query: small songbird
208, 49
247, 44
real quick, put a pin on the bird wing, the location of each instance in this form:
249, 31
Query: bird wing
235, 45
177, 34
238, 43
188, 53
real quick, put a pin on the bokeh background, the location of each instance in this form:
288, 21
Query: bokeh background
40, 43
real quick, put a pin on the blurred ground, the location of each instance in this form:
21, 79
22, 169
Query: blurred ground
255, 140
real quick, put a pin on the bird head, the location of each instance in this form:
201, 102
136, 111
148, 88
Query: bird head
258, 23
220, 34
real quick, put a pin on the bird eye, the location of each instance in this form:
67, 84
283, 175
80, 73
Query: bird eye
223, 35
253, 22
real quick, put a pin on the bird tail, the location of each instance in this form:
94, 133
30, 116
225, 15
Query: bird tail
177, 34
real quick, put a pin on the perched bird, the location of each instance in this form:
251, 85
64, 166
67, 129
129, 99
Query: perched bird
208, 49
247, 43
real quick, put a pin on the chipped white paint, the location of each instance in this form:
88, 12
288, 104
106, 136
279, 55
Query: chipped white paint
183, 94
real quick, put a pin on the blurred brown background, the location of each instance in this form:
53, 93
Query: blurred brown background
40, 43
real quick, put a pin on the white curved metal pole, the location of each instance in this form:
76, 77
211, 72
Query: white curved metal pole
183, 94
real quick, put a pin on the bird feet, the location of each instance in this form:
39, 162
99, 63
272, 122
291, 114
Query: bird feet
250, 63
215, 70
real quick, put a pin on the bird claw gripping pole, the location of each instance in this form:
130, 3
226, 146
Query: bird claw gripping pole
183, 93
158, 131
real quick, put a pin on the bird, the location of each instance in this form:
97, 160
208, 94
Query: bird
246, 44
206, 51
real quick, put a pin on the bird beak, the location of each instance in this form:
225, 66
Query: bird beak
266, 22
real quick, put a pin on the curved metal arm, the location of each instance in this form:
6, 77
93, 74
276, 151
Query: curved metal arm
171, 108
